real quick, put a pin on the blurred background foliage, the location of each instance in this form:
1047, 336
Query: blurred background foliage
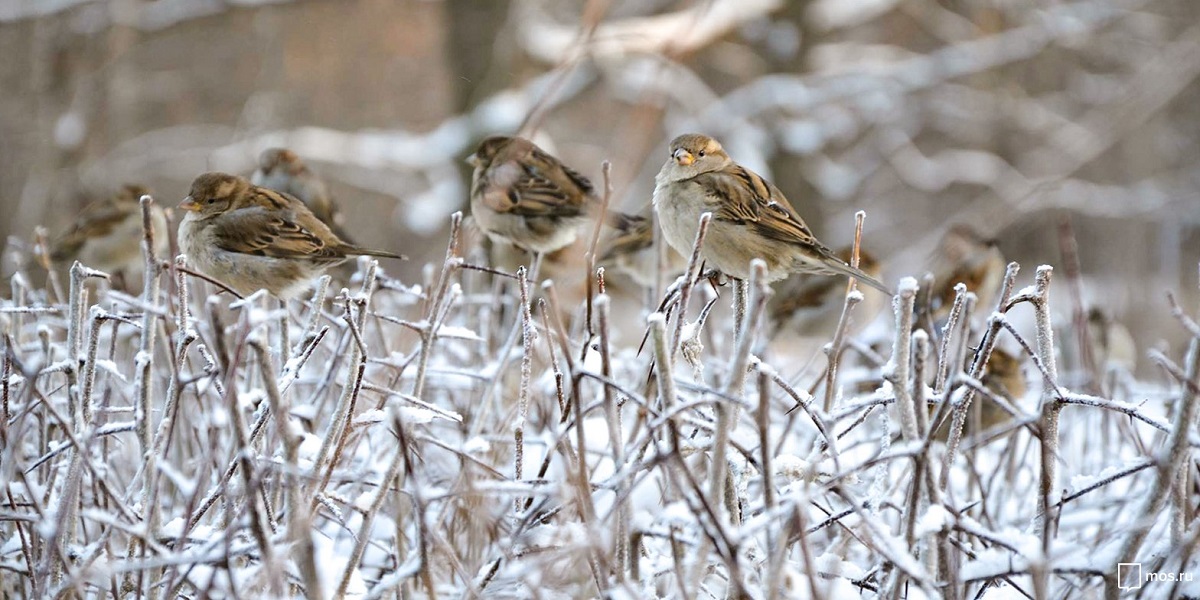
1012, 116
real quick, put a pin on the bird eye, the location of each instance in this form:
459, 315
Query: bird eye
211, 200
701, 153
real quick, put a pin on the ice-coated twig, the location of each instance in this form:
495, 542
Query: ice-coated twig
527, 335
1187, 322
605, 198
86, 408
727, 413
314, 316
833, 350
616, 439
449, 271
958, 313
212, 280
75, 305
664, 375
901, 372
1170, 461
65, 516
689, 281
259, 523
959, 412
285, 342
1048, 485
355, 314
299, 516
150, 285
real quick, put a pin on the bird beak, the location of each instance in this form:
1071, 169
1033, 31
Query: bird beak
189, 204
683, 157
472, 160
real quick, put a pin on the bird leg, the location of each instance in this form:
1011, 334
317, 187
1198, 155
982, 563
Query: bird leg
715, 278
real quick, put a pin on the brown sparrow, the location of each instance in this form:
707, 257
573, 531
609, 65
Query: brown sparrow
1004, 377
282, 170
1112, 345
969, 258
812, 305
252, 237
107, 234
750, 217
522, 195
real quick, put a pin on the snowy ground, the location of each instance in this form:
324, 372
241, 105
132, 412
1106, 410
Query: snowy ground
433, 448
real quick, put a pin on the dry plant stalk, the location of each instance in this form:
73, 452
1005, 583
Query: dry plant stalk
766, 506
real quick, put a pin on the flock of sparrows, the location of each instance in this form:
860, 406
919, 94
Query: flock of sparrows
280, 229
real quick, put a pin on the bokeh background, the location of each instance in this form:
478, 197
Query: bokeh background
1012, 116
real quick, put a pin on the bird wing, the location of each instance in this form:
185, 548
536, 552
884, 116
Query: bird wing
97, 219
536, 188
275, 233
634, 233
741, 196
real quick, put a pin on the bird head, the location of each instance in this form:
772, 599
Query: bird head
488, 149
692, 154
214, 193
273, 159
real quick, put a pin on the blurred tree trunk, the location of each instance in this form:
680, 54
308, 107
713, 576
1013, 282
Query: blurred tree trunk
786, 170
476, 31
476, 34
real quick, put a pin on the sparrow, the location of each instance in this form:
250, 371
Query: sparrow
1004, 377
812, 304
522, 195
282, 170
966, 257
107, 234
750, 217
252, 237
1112, 345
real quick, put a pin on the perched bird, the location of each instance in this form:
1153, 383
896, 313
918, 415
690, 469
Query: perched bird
107, 234
252, 237
1111, 345
522, 195
750, 217
282, 170
969, 258
1004, 377
812, 305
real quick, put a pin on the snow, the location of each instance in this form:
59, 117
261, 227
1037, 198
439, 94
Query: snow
414, 415
832, 564
791, 467
110, 367
462, 333
460, 492
935, 519
370, 417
